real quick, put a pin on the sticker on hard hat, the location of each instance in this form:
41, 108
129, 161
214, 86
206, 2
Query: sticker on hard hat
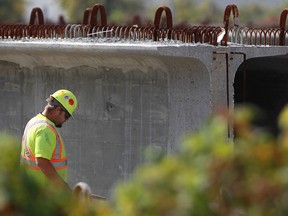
71, 101
66, 97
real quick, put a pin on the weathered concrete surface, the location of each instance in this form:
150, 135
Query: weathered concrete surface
130, 97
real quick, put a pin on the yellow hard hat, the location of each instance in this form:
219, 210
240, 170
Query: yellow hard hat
67, 99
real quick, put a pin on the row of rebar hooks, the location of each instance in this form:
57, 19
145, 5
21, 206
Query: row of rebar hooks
196, 34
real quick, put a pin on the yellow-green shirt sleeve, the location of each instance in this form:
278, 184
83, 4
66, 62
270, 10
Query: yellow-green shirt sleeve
45, 143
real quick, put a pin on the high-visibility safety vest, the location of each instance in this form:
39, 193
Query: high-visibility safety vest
58, 159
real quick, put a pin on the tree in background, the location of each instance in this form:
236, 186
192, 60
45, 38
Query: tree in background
75, 9
118, 11
209, 12
188, 12
253, 15
11, 11
193, 13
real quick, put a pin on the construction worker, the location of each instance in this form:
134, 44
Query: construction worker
43, 153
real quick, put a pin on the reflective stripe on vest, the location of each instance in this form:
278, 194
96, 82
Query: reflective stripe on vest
32, 164
29, 160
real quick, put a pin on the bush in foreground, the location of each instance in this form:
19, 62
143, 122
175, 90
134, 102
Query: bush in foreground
210, 174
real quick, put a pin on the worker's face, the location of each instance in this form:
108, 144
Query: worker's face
60, 117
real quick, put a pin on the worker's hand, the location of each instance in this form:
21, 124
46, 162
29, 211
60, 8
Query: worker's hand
49, 171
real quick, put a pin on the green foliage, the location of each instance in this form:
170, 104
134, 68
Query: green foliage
208, 12
21, 195
11, 11
192, 13
213, 13
254, 14
179, 184
118, 11
210, 175
183, 10
75, 9
18, 193
189, 12
121, 11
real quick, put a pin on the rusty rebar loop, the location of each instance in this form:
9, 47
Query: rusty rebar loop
285, 37
94, 13
121, 32
32, 31
36, 16
196, 34
227, 13
86, 16
157, 20
174, 34
116, 31
133, 32
149, 33
103, 32
235, 34
217, 33
138, 33
59, 31
41, 31
99, 32
256, 36
48, 31
66, 32
108, 31
146, 32
158, 14
126, 32
14, 32
282, 26
142, 32
211, 35
190, 35
72, 31
78, 31
182, 35
94, 30
276, 36
7, 31
85, 30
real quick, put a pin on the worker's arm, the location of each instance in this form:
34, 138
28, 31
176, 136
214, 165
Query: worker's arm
49, 171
